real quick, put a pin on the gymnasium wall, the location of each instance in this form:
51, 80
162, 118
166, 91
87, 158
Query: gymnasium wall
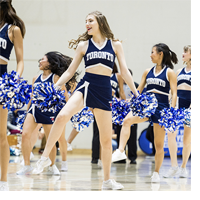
138, 23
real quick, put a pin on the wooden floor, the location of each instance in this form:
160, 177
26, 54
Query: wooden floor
82, 175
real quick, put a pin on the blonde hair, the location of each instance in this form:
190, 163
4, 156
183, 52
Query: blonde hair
186, 49
103, 27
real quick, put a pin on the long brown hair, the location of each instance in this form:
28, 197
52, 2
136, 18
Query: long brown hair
103, 27
8, 15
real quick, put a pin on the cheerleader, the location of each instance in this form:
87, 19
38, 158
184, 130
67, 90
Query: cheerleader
53, 64
12, 31
159, 79
99, 48
183, 101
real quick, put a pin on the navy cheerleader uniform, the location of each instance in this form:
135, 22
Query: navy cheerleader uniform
114, 83
184, 96
159, 85
96, 89
42, 117
5, 47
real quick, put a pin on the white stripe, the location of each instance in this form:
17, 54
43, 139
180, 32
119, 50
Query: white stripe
33, 111
98, 65
3, 26
104, 44
157, 91
3, 58
85, 84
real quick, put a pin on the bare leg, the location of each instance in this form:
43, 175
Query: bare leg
104, 122
63, 146
52, 155
125, 131
28, 128
186, 146
72, 135
172, 148
34, 135
74, 105
4, 146
159, 137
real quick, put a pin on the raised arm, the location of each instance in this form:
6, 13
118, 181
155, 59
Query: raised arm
67, 75
123, 67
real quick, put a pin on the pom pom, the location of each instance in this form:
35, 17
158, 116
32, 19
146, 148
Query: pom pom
82, 119
120, 108
187, 117
20, 120
48, 98
14, 151
14, 91
144, 105
171, 119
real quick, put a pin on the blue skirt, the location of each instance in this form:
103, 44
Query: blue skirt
96, 90
163, 102
42, 117
183, 99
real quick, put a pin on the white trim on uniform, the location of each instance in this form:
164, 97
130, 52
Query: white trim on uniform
104, 44
100, 65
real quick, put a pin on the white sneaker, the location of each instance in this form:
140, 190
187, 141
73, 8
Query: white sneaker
31, 157
4, 186
64, 166
41, 164
117, 155
183, 173
53, 170
155, 178
111, 184
99, 163
25, 170
69, 147
171, 172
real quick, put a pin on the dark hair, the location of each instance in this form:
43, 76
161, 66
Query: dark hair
59, 63
168, 55
8, 15
115, 70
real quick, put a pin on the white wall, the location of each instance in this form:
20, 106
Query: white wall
138, 23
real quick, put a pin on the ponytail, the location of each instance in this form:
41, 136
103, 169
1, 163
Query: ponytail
169, 56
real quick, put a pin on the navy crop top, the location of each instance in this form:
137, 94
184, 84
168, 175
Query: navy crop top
184, 77
158, 82
5, 44
95, 55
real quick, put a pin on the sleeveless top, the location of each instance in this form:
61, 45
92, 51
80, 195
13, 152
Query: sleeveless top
184, 77
40, 80
158, 82
95, 55
5, 44
114, 83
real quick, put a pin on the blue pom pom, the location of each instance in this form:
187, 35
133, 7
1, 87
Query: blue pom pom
187, 117
120, 108
82, 119
171, 119
144, 105
20, 120
14, 91
47, 98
